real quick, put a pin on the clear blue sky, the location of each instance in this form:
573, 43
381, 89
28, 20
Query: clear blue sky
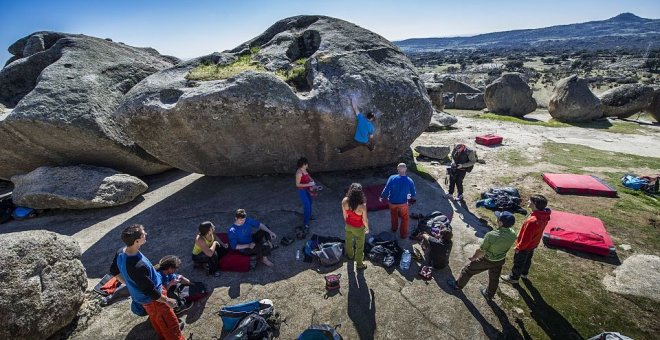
188, 29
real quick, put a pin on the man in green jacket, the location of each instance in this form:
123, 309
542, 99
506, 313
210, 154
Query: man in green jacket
490, 255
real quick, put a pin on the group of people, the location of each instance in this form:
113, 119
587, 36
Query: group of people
148, 284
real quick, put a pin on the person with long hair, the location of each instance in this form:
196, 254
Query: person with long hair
354, 209
305, 183
208, 250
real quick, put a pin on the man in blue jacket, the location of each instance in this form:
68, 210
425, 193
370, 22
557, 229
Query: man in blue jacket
398, 190
144, 283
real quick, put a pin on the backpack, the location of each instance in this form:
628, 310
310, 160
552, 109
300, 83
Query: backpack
653, 185
332, 282
22, 213
320, 332
426, 273
232, 315
632, 182
193, 292
329, 253
251, 327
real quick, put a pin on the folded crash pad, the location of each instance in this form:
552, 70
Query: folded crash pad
372, 193
233, 260
579, 185
578, 232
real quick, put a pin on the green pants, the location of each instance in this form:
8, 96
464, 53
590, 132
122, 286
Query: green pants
356, 235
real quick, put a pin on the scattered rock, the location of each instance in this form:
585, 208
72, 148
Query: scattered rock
75, 187
43, 283
510, 95
469, 101
626, 100
430, 151
451, 85
654, 106
637, 275
255, 122
442, 119
625, 247
63, 89
573, 101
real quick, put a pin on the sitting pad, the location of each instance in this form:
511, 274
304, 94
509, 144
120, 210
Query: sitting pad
578, 232
233, 260
372, 193
579, 185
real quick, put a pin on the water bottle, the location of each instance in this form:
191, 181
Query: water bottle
298, 255
405, 260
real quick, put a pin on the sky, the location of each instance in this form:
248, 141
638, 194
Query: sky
188, 29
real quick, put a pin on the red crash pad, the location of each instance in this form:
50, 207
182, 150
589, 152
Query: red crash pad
579, 185
372, 193
489, 139
578, 232
233, 260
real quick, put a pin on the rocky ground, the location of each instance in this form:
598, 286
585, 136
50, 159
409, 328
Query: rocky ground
376, 304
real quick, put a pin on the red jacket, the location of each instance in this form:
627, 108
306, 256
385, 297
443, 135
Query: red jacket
532, 230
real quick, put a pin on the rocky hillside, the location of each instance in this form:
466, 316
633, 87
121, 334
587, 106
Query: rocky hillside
624, 31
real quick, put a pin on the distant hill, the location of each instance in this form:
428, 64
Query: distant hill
624, 31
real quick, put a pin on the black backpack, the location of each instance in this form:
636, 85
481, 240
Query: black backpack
316, 332
251, 327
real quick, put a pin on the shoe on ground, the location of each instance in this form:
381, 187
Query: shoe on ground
484, 292
508, 279
524, 277
453, 284
216, 274
459, 198
361, 267
449, 196
338, 150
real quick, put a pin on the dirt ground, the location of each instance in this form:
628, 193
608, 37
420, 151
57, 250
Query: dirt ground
374, 304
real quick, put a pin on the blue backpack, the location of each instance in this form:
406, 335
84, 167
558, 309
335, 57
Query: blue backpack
320, 332
632, 182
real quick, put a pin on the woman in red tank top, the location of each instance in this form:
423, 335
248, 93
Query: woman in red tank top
304, 182
354, 209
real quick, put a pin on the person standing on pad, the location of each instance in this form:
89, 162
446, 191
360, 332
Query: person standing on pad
364, 132
398, 190
528, 238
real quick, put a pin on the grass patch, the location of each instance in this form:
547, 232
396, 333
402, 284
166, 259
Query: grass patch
576, 157
206, 72
613, 127
516, 157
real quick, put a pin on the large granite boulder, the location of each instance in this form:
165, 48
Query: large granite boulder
75, 187
450, 84
434, 89
654, 106
573, 101
509, 95
43, 283
279, 96
62, 90
638, 275
469, 101
626, 100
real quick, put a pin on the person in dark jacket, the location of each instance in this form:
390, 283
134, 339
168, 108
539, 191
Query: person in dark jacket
462, 162
437, 247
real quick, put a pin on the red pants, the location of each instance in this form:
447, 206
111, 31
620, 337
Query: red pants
163, 320
399, 211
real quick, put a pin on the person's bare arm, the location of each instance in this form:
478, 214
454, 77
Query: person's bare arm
365, 218
265, 228
344, 206
354, 105
300, 185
